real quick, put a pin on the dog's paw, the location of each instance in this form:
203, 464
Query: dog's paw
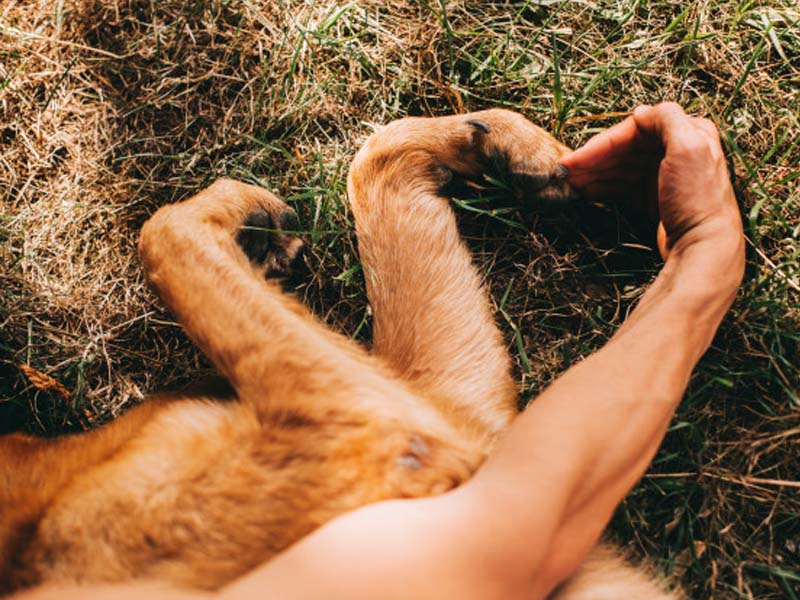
269, 240
524, 155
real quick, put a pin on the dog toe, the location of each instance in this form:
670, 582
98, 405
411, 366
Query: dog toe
545, 188
269, 241
255, 236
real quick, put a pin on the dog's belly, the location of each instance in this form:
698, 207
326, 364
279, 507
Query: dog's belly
204, 494
181, 496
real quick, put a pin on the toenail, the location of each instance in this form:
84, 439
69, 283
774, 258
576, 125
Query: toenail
482, 125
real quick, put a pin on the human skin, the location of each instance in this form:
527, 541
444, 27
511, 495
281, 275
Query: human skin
537, 506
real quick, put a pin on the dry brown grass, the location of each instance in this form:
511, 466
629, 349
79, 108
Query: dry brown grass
110, 108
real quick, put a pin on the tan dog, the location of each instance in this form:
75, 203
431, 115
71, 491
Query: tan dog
198, 488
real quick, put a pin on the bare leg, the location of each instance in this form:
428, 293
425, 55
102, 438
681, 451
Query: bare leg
432, 320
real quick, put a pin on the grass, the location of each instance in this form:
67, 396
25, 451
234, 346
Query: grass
109, 109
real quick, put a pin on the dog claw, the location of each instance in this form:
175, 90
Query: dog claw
482, 125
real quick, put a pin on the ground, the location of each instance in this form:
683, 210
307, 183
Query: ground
111, 108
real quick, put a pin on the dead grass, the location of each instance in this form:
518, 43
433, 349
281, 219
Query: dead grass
109, 109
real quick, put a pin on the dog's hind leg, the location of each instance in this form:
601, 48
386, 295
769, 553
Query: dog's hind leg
432, 320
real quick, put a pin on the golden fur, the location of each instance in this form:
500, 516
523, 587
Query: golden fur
196, 488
